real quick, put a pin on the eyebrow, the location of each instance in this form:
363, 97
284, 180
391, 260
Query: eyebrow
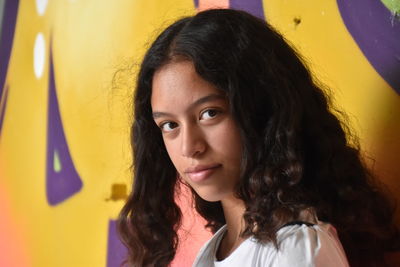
202, 100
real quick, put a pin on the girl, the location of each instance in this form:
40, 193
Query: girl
224, 105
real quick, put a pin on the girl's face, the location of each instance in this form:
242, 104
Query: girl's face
199, 132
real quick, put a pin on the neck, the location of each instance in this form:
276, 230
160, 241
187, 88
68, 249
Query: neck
233, 211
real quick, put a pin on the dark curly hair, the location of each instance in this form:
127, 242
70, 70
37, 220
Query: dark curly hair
296, 152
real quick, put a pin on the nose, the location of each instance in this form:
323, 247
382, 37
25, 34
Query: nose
192, 142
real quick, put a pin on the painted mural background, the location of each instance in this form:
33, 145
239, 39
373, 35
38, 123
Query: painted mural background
65, 110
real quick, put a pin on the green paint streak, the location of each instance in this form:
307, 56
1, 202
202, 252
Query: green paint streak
2, 2
56, 162
392, 5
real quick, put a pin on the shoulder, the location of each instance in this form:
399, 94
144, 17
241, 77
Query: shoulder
307, 245
299, 245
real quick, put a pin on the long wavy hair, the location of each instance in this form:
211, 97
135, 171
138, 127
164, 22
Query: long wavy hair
296, 152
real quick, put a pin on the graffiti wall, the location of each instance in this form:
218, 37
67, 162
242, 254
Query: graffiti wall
65, 110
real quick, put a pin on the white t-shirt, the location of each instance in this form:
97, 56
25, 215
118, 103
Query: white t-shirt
299, 246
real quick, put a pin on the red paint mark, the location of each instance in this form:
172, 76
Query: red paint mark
192, 234
210, 4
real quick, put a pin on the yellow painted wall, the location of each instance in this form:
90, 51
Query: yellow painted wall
89, 42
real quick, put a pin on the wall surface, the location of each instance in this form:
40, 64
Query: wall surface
65, 110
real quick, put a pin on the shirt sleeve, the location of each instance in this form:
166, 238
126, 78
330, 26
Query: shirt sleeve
308, 246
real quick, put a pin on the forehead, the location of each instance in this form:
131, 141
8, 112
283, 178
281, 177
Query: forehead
177, 84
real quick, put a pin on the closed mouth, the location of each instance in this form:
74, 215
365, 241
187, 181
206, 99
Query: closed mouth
200, 168
201, 173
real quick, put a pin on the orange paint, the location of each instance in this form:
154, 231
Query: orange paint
12, 246
210, 4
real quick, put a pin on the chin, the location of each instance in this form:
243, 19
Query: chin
210, 197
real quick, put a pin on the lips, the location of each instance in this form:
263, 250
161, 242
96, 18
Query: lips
201, 172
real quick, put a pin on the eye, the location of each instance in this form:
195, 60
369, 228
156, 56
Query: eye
208, 114
168, 126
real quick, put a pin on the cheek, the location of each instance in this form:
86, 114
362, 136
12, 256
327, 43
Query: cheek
227, 141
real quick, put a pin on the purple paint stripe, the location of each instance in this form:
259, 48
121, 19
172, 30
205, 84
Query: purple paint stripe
7, 36
116, 251
254, 7
377, 34
196, 3
65, 183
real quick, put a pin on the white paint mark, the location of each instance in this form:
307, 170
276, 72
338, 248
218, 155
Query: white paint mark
39, 53
41, 6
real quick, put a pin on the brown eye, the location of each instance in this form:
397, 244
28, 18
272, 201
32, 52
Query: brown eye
209, 114
168, 126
